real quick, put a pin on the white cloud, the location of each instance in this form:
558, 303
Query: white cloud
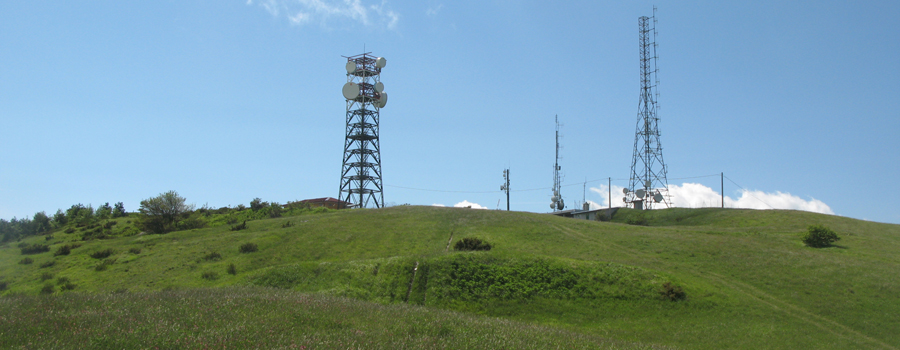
431, 11
692, 195
329, 11
465, 204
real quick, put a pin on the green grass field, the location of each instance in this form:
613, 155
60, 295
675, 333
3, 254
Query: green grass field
565, 283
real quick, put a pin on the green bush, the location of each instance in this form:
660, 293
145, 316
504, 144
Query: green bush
134, 250
70, 230
35, 249
471, 243
640, 220
48, 289
64, 250
213, 256
818, 236
46, 276
3, 285
103, 254
248, 248
239, 227
232, 270
209, 275
672, 292
26, 261
48, 264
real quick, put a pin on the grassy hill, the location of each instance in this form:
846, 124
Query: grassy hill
749, 281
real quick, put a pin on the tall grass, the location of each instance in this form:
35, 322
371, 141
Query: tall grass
263, 318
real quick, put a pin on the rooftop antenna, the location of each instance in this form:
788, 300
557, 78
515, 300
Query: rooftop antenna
361, 184
647, 184
556, 201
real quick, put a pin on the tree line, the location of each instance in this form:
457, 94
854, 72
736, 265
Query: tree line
78, 214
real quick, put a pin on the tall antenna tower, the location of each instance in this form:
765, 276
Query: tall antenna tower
361, 174
647, 184
556, 201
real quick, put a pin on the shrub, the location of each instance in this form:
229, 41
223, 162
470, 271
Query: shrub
257, 204
104, 265
248, 248
672, 292
35, 249
471, 243
639, 219
134, 250
48, 289
275, 210
239, 227
818, 236
3, 285
159, 214
62, 280
46, 276
64, 250
70, 230
48, 237
67, 286
110, 224
102, 254
286, 224
209, 275
48, 264
26, 261
232, 270
213, 256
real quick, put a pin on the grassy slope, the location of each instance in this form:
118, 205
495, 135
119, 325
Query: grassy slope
749, 280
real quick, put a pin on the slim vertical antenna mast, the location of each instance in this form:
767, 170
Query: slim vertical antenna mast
647, 183
556, 201
361, 184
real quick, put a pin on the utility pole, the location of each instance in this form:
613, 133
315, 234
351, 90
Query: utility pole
505, 186
722, 188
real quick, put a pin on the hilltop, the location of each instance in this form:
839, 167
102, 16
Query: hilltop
749, 281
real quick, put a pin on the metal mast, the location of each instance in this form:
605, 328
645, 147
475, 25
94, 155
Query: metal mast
647, 183
361, 173
556, 201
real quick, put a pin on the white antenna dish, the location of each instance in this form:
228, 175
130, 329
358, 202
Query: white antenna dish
560, 205
648, 183
553, 205
658, 197
382, 100
380, 62
640, 193
351, 67
379, 87
625, 190
350, 91
553, 199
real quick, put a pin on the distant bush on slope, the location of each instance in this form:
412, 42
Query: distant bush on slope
818, 236
472, 243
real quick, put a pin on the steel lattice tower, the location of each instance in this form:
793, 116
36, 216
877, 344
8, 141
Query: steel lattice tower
647, 183
556, 201
361, 173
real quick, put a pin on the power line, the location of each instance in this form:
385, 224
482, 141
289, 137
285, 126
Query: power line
748, 191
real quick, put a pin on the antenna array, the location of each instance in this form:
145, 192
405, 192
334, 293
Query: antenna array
647, 183
556, 201
361, 173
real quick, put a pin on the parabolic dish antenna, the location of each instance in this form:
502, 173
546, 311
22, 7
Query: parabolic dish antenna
648, 183
658, 197
553, 205
553, 199
382, 100
351, 67
379, 87
380, 62
625, 190
351, 91
640, 193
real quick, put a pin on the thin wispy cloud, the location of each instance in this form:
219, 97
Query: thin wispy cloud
330, 13
432, 11
692, 195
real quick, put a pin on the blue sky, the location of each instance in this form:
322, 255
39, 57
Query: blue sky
225, 101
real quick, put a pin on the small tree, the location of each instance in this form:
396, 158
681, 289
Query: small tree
103, 212
818, 236
159, 214
119, 210
41, 222
256, 204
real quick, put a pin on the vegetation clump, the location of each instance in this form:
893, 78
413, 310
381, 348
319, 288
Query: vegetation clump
248, 248
819, 236
210, 275
65, 249
34, 248
160, 214
134, 250
242, 226
46, 276
26, 261
232, 270
48, 289
672, 292
103, 254
213, 256
471, 243
48, 264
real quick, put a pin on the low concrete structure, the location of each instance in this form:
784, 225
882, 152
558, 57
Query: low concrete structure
604, 214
